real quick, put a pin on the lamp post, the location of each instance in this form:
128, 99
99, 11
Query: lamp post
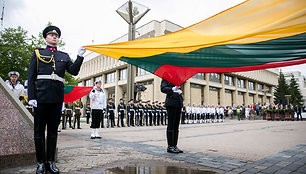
131, 12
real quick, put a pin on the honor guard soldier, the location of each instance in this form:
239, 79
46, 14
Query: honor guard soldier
14, 84
140, 112
153, 113
150, 113
145, 114
88, 112
158, 113
130, 113
121, 109
136, 113
110, 109
46, 93
97, 108
68, 114
77, 106
183, 114
174, 104
188, 111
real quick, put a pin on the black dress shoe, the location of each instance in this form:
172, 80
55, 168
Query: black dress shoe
79, 128
179, 150
73, 127
51, 167
172, 149
41, 169
98, 137
92, 137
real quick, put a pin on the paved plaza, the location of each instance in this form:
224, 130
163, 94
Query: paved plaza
231, 147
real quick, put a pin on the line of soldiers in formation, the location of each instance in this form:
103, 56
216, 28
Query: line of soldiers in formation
139, 114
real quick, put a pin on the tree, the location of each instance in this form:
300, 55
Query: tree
296, 96
15, 52
281, 90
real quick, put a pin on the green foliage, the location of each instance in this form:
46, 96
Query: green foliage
296, 95
15, 52
281, 90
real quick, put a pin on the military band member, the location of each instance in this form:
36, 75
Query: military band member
110, 109
14, 84
158, 113
77, 106
121, 108
46, 93
88, 112
97, 108
174, 104
130, 113
140, 112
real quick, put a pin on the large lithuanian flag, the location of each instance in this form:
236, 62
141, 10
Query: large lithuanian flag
72, 93
255, 34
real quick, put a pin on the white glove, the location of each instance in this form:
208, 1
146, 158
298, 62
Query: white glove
175, 88
119, 113
33, 103
81, 51
178, 91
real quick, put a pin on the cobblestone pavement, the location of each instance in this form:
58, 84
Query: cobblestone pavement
230, 147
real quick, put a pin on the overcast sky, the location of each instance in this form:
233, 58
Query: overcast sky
82, 22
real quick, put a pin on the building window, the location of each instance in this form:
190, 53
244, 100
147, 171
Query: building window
123, 74
199, 76
141, 72
145, 83
212, 88
111, 77
251, 86
228, 80
80, 84
215, 77
227, 91
240, 83
98, 78
88, 83
195, 86
259, 87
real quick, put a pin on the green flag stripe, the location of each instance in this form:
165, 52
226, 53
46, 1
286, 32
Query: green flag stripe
68, 89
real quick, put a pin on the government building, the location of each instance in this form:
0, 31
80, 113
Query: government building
203, 88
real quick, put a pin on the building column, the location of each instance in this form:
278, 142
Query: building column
102, 85
156, 88
118, 91
206, 90
235, 92
246, 95
264, 87
222, 91
256, 95
187, 92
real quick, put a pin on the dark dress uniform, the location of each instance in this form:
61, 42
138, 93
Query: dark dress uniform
150, 114
110, 109
183, 115
121, 108
164, 115
145, 114
45, 85
140, 113
68, 115
174, 104
153, 114
130, 112
88, 112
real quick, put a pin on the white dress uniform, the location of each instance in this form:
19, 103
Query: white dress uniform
17, 88
188, 111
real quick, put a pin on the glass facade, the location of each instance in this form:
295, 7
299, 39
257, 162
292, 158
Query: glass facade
123, 74
111, 77
240, 83
228, 80
215, 77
